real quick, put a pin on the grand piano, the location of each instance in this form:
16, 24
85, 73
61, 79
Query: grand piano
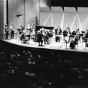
48, 28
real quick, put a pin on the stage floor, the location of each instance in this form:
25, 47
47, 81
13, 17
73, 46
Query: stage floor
53, 45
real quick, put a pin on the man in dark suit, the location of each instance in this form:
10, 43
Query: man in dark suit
6, 31
40, 38
86, 36
12, 31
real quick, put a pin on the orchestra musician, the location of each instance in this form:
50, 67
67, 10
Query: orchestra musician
67, 35
28, 32
73, 34
58, 33
40, 37
46, 37
72, 43
22, 38
20, 30
12, 31
33, 35
86, 39
6, 31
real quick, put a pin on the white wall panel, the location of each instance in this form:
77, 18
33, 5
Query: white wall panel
57, 9
82, 10
45, 19
70, 9
83, 19
57, 19
69, 19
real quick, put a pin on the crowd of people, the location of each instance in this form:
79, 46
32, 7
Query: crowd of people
7, 31
40, 68
44, 35
73, 38
40, 36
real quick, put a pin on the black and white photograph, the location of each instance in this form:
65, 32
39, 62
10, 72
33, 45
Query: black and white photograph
43, 44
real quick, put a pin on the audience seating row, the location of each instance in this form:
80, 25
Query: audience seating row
41, 68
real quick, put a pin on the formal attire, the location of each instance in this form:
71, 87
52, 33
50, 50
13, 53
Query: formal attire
12, 31
40, 38
6, 32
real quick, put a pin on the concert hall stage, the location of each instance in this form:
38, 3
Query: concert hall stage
53, 45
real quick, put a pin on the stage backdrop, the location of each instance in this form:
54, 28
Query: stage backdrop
57, 16
67, 18
25, 9
69, 21
45, 16
83, 17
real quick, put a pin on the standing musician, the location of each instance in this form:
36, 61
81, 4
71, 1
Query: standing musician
32, 31
33, 26
76, 38
20, 30
12, 31
86, 39
73, 34
78, 33
33, 35
66, 34
82, 35
6, 31
28, 32
58, 33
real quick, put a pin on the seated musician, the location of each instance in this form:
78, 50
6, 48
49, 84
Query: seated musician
77, 31
72, 43
22, 38
55, 31
65, 33
46, 37
58, 31
20, 30
73, 34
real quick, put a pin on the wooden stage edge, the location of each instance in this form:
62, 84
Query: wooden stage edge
53, 46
